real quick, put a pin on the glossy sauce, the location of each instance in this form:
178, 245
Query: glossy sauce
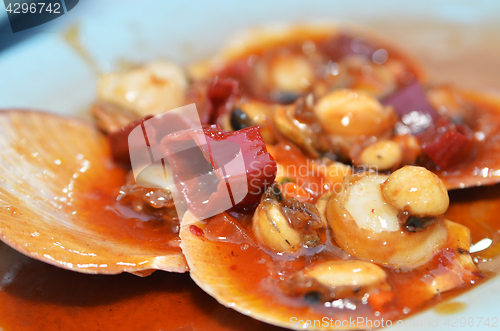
324, 52
263, 269
95, 201
449, 308
36, 296
478, 166
301, 171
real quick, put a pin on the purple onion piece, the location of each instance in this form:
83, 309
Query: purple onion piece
412, 106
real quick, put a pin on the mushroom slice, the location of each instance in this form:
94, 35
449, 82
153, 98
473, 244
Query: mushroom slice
57, 188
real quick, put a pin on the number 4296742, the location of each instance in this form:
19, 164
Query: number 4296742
34, 7
456, 322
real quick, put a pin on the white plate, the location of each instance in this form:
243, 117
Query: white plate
458, 41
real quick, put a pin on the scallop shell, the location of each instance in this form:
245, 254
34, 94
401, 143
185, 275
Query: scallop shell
262, 37
43, 156
214, 271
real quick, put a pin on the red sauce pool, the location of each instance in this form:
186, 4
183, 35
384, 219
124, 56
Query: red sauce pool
38, 296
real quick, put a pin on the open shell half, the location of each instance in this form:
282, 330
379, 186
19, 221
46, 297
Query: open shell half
55, 177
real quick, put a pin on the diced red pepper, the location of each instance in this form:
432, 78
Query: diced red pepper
446, 144
153, 128
211, 166
196, 230
260, 166
219, 95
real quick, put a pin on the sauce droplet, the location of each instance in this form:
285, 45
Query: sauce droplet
448, 308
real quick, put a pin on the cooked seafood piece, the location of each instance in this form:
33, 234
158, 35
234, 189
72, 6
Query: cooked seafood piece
349, 280
303, 178
285, 224
298, 124
250, 113
400, 214
219, 271
293, 60
149, 202
453, 133
324, 240
354, 113
353, 117
240, 274
58, 188
151, 89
